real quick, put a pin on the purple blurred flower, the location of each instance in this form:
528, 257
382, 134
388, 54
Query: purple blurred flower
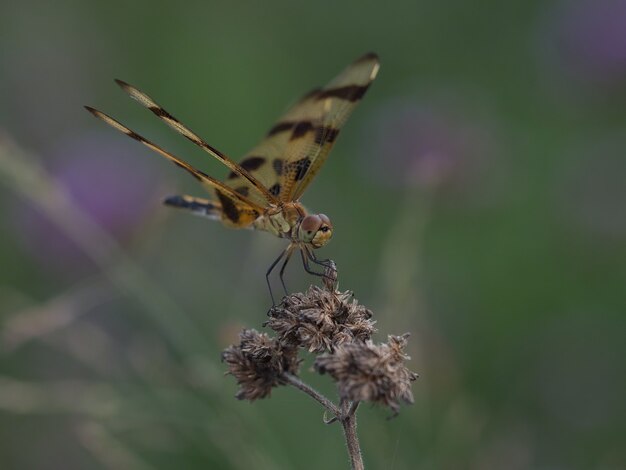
108, 180
585, 41
426, 143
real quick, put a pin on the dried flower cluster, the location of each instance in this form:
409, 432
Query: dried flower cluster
369, 372
338, 329
321, 320
258, 363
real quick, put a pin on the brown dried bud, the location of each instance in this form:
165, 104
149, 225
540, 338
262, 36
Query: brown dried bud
258, 363
320, 320
330, 277
369, 372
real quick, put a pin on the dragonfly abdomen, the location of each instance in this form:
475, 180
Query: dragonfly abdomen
195, 205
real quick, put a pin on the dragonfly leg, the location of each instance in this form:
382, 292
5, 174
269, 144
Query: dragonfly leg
269, 271
288, 252
305, 262
330, 270
321, 262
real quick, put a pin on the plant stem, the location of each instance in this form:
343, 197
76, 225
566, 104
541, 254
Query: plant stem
353, 407
300, 385
352, 441
345, 413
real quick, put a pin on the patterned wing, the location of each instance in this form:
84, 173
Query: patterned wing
337, 101
236, 210
143, 99
265, 161
297, 146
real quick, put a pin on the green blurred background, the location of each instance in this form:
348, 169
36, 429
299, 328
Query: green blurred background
477, 195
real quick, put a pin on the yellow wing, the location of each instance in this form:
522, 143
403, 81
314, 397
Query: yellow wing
297, 146
281, 166
178, 126
236, 209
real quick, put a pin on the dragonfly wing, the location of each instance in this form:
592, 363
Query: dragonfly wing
236, 209
179, 127
297, 146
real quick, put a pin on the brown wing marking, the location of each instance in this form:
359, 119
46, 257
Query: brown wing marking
175, 124
296, 147
237, 210
339, 99
265, 164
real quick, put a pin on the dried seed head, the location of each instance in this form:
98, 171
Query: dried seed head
258, 363
320, 320
369, 372
330, 277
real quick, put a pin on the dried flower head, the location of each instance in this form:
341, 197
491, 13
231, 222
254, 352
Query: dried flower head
321, 320
330, 278
258, 363
369, 372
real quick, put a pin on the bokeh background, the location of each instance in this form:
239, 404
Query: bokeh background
477, 194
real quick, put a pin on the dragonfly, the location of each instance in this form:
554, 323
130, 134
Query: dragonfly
263, 190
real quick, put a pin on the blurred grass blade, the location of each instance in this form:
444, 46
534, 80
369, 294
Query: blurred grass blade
24, 175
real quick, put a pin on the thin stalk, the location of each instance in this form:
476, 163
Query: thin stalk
353, 407
345, 413
321, 399
352, 441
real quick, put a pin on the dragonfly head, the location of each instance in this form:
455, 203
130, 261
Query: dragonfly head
315, 229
